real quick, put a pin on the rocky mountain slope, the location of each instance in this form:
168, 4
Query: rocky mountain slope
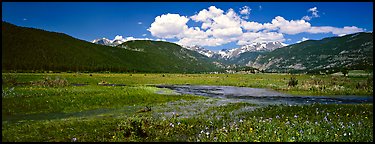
354, 51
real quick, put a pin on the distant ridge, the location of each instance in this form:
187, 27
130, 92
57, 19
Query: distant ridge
29, 49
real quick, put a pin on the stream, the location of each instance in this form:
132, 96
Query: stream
263, 96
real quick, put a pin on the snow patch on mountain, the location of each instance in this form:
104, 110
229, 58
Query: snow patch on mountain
118, 40
254, 47
200, 50
227, 54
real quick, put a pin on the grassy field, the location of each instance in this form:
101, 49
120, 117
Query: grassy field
307, 84
47, 107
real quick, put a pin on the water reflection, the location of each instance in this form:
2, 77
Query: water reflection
263, 96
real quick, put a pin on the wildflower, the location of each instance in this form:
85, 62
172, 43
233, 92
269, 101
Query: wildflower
291, 140
295, 116
202, 131
207, 133
277, 116
344, 134
74, 139
241, 121
170, 124
178, 123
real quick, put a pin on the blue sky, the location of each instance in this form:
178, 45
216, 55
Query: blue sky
226, 26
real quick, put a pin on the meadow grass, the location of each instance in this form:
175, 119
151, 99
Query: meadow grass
46, 107
314, 123
307, 84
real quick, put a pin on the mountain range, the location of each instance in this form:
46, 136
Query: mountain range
353, 51
223, 54
29, 49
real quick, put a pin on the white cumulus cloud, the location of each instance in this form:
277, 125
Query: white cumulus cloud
245, 11
218, 27
334, 30
168, 26
251, 26
290, 27
202, 42
250, 37
314, 14
314, 11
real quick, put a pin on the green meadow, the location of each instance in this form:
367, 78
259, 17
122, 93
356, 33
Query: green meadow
65, 107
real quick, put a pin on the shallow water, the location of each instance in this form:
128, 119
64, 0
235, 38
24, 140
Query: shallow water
263, 96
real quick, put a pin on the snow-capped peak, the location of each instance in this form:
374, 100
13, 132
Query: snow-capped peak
253, 47
116, 41
102, 41
225, 53
200, 50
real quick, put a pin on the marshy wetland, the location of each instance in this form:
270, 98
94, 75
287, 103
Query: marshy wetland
186, 107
